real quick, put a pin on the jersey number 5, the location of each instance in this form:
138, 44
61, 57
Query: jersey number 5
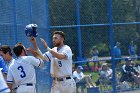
60, 63
23, 74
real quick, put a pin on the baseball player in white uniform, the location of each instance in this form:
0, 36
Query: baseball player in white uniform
3, 86
61, 64
22, 71
6, 53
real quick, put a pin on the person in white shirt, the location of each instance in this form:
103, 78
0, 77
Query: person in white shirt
3, 86
6, 53
105, 74
79, 76
22, 71
61, 63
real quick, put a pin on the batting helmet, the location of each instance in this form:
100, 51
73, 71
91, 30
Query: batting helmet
30, 30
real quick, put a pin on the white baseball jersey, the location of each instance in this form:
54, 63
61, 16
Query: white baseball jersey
60, 67
9, 63
22, 71
3, 86
78, 75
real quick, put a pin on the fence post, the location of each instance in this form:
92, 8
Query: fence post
78, 30
47, 24
112, 44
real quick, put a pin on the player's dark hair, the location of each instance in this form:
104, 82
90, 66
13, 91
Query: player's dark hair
5, 49
18, 49
60, 33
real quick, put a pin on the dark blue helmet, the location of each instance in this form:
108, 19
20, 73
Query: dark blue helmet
30, 30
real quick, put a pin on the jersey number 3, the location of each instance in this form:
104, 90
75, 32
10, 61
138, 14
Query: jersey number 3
23, 74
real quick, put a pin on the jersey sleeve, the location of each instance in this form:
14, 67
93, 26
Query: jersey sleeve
3, 86
10, 76
47, 56
67, 51
35, 61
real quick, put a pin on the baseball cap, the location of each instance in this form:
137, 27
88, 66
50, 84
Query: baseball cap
80, 67
128, 59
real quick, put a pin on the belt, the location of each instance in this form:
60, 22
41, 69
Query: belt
27, 84
61, 79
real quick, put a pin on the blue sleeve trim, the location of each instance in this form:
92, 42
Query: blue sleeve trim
48, 57
39, 63
9, 81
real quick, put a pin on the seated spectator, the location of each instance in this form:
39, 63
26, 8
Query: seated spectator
105, 74
128, 71
137, 66
79, 77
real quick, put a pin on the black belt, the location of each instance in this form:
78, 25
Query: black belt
61, 79
27, 84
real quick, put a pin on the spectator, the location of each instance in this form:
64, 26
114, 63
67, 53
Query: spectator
117, 53
105, 75
95, 54
128, 71
132, 50
79, 76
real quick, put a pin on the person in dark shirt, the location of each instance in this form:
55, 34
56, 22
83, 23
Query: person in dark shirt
128, 71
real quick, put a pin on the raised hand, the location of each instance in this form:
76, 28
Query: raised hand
33, 41
44, 43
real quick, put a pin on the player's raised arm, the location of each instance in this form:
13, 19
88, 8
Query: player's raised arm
36, 51
33, 41
54, 53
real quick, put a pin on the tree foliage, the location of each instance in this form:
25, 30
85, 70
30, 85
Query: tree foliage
63, 12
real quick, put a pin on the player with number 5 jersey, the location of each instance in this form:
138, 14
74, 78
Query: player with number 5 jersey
22, 72
61, 63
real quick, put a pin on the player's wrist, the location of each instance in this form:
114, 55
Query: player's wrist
49, 49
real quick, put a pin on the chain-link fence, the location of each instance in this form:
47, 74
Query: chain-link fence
86, 23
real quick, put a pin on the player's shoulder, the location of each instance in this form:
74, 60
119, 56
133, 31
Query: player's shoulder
67, 47
28, 58
12, 64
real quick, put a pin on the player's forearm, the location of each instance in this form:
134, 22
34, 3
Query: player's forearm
10, 86
34, 43
39, 54
58, 55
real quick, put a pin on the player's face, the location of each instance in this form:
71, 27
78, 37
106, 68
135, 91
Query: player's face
57, 40
5, 56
